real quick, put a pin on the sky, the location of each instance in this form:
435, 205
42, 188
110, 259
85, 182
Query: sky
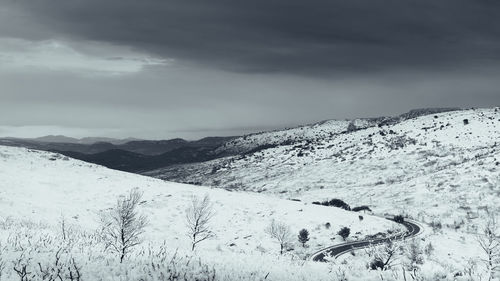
160, 69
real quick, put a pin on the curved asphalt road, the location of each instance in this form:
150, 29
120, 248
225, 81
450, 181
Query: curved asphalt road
335, 251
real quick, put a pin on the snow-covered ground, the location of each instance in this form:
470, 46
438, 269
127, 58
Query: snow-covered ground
42, 187
419, 162
442, 169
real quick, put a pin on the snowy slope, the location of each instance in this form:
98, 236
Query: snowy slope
320, 130
424, 156
442, 169
435, 168
40, 186
315, 132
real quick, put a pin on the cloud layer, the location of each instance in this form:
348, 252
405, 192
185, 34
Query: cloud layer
315, 36
158, 69
37, 56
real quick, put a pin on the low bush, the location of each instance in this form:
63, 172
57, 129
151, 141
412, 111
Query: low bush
344, 232
334, 203
361, 208
303, 237
399, 219
377, 264
436, 225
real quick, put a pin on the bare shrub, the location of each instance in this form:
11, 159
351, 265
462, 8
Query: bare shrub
489, 241
384, 257
2, 268
2, 262
429, 249
73, 271
471, 270
339, 273
414, 254
198, 217
281, 232
123, 225
160, 265
21, 265
52, 271
63, 226
436, 226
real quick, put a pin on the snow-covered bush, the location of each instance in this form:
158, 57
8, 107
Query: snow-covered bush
38, 252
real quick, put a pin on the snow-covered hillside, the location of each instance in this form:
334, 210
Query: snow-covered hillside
442, 169
450, 157
314, 132
41, 187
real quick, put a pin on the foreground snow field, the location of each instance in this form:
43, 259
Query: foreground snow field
40, 186
38, 189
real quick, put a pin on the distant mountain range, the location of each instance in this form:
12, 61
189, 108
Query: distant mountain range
142, 156
97, 145
135, 162
65, 139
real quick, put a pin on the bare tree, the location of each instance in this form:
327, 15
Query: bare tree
384, 257
198, 217
281, 232
489, 241
123, 225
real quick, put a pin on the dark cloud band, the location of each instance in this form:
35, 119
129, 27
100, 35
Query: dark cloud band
313, 37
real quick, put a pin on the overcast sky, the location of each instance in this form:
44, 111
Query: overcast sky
193, 68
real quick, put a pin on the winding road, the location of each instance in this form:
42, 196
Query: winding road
413, 229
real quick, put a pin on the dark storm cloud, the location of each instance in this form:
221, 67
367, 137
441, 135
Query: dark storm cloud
307, 37
191, 68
